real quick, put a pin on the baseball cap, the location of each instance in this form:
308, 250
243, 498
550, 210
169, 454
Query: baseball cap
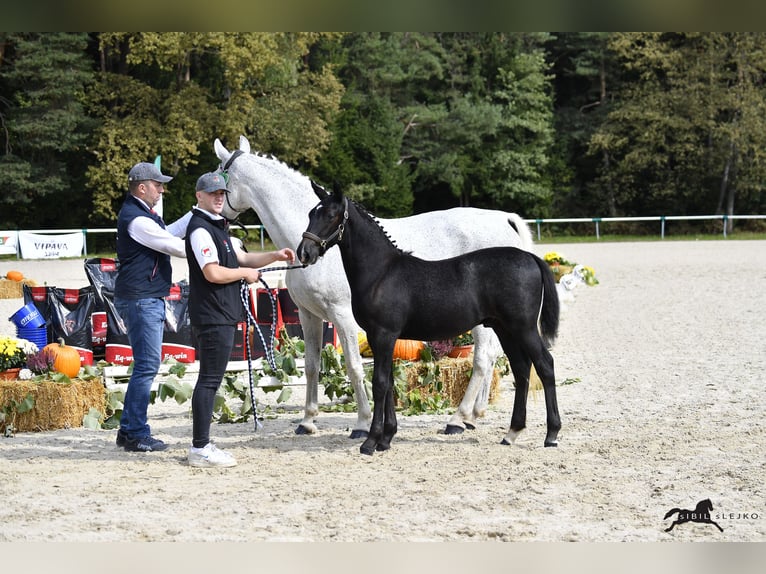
144, 170
210, 182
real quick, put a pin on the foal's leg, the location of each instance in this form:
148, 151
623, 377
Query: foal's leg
520, 366
389, 425
474, 403
383, 352
543, 362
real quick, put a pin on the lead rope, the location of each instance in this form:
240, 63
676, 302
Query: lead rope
268, 349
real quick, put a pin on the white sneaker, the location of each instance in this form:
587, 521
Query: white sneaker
210, 456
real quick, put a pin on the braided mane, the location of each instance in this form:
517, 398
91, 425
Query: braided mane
376, 221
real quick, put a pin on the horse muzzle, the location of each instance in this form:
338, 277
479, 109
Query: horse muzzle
309, 250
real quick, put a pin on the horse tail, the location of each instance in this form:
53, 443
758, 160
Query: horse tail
549, 313
523, 231
671, 512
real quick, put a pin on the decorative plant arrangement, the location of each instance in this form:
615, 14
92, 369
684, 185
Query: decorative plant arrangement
562, 267
42, 394
14, 352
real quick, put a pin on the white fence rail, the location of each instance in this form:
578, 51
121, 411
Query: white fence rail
660, 218
10, 243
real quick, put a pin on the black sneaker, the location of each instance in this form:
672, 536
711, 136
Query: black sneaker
146, 444
122, 438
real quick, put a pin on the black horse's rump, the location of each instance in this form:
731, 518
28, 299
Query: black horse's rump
396, 295
701, 514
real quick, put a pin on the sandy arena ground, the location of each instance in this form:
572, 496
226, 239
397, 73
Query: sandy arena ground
664, 408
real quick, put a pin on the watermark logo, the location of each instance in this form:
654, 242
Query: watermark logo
700, 514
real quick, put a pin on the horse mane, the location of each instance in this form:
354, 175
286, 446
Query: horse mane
363, 211
278, 163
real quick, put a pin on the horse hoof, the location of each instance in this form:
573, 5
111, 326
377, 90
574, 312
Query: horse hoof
300, 429
505, 442
366, 450
453, 429
358, 433
551, 444
382, 447
470, 426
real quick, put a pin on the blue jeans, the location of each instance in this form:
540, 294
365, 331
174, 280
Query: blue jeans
145, 320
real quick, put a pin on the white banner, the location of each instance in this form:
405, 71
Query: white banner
35, 246
8, 242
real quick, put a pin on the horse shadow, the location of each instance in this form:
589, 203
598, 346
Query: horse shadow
700, 514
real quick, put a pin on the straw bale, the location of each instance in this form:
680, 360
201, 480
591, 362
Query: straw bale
454, 375
57, 405
13, 289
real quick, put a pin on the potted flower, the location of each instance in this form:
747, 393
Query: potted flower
462, 345
439, 349
13, 356
559, 264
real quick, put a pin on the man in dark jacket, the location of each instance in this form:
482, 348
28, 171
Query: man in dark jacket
144, 247
216, 272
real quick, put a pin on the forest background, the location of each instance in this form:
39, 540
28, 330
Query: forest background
544, 124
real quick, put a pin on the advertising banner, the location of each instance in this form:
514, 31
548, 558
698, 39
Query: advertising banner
8, 242
37, 246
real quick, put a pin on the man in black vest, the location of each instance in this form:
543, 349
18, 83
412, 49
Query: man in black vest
144, 247
216, 272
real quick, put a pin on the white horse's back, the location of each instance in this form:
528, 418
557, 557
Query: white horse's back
468, 229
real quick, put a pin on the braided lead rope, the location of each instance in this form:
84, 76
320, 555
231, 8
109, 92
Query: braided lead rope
246, 298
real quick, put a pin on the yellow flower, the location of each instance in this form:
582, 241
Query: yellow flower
552, 257
12, 353
589, 275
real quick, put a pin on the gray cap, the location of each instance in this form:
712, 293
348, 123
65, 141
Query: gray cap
144, 171
211, 182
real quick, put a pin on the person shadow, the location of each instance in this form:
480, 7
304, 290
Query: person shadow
700, 514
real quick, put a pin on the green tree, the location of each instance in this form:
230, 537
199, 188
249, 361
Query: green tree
43, 77
470, 114
687, 133
173, 93
585, 79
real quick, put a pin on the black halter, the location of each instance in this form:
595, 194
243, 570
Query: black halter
323, 243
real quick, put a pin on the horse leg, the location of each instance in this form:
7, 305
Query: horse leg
347, 333
520, 367
474, 403
383, 351
312, 336
543, 362
389, 425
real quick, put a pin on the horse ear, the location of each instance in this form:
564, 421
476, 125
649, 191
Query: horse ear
244, 144
220, 150
337, 190
320, 191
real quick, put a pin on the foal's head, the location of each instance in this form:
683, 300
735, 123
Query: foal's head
327, 222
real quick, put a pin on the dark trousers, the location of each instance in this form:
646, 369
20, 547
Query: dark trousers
214, 344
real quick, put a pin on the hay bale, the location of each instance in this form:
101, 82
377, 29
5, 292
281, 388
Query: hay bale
454, 375
14, 289
57, 405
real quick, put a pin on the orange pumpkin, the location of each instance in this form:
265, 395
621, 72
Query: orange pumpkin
15, 275
66, 359
407, 349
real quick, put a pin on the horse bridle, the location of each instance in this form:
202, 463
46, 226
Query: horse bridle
323, 243
225, 174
